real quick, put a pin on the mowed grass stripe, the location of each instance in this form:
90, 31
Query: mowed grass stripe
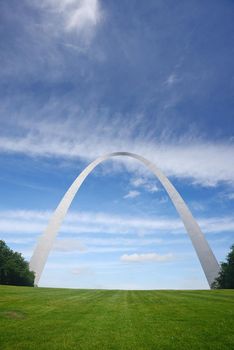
43, 318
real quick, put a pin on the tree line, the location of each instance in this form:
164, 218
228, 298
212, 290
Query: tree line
225, 279
14, 269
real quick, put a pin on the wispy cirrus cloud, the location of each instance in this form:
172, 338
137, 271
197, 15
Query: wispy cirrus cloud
46, 45
203, 162
52, 38
34, 222
76, 15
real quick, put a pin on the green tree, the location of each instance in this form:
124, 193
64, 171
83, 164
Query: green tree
14, 269
225, 279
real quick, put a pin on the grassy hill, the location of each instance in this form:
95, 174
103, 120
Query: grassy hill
54, 319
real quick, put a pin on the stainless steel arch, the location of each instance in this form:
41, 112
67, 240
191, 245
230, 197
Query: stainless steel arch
207, 259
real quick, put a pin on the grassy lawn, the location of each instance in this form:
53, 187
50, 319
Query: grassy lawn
49, 319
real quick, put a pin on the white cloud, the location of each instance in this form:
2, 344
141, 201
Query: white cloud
87, 14
31, 223
138, 182
145, 183
197, 206
151, 188
203, 162
75, 15
132, 194
171, 80
143, 257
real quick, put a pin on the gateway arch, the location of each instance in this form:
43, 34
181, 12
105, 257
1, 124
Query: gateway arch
207, 259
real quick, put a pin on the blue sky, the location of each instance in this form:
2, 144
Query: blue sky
81, 78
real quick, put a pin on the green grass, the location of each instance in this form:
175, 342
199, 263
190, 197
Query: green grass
49, 319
